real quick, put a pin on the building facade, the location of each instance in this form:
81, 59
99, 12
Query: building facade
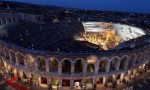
65, 70
71, 70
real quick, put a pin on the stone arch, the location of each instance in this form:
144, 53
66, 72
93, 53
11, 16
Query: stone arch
6, 53
91, 60
29, 60
120, 77
66, 82
12, 56
90, 68
20, 58
43, 80
24, 75
123, 62
102, 64
53, 64
14, 72
19, 75
89, 84
32, 78
54, 81
1, 63
115, 62
41, 63
100, 81
111, 79
132, 60
139, 57
66, 65
79, 65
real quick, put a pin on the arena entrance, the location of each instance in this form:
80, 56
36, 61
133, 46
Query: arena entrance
66, 84
119, 78
13, 72
89, 83
24, 75
77, 84
54, 82
33, 80
1, 63
100, 82
43, 81
19, 75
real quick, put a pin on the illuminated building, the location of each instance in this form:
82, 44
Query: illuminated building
79, 70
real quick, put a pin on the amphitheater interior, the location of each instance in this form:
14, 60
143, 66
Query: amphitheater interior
68, 52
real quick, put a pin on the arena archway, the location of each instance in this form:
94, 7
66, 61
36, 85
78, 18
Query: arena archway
89, 84
90, 68
114, 63
6, 53
54, 81
43, 81
53, 64
132, 61
139, 58
111, 79
24, 75
119, 77
29, 61
41, 63
123, 62
100, 81
1, 63
66, 82
13, 57
103, 64
91, 60
77, 84
78, 66
66, 66
20, 59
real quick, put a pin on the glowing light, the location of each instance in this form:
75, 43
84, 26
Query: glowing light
108, 35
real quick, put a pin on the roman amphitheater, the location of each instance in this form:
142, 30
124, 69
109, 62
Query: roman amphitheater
88, 55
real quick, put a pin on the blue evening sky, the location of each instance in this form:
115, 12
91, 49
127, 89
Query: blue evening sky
142, 6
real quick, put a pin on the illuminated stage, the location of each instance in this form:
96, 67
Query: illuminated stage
108, 35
